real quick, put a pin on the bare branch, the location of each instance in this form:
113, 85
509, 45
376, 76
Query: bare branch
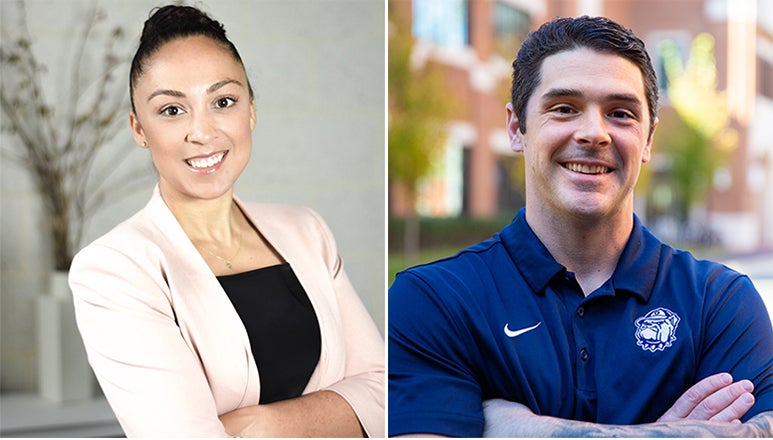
76, 86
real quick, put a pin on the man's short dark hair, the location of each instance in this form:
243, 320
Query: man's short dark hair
563, 34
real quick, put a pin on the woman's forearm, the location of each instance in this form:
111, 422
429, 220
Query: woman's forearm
318, 414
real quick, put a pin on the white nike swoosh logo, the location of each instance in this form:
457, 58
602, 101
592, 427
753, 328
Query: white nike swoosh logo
515, 333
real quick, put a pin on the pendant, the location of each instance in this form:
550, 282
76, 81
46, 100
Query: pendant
227, 263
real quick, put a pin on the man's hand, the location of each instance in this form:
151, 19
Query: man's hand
715, 398
712, 407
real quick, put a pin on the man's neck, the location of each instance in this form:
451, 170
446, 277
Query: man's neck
588, 247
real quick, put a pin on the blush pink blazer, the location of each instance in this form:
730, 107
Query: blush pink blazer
170, 351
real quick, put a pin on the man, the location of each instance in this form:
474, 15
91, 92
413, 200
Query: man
575, 320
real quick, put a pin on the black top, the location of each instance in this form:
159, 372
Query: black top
281, 325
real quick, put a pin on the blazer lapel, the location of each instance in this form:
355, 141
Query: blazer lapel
207, 319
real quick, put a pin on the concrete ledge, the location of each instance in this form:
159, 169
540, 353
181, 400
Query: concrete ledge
29, 415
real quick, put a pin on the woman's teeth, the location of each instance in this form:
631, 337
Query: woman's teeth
587, 169
206, 162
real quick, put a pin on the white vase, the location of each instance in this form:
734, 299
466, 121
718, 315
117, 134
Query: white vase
63, 371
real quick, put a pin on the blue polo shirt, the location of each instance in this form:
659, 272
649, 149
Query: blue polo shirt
502, 319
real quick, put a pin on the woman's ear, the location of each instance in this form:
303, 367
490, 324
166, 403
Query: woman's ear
514, 129
137, 131
253, 117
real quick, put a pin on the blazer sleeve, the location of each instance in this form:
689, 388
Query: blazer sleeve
363, 385
149, 374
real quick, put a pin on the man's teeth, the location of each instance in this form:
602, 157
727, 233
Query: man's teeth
206, 163
587, 169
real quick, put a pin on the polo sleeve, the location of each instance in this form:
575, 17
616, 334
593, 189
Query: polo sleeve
738, 339
432, 388
152, 379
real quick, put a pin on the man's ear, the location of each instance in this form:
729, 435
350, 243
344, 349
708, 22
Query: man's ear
137, 131
647, 153
514, 129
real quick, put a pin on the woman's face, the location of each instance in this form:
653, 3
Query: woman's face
195, 115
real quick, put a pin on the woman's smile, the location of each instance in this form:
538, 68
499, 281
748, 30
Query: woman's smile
206, 163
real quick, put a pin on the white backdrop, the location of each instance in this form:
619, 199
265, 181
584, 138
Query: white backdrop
317, 68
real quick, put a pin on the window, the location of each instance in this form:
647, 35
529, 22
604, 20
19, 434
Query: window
443, 22
510, 28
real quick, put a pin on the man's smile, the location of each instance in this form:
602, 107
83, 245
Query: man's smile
585, 168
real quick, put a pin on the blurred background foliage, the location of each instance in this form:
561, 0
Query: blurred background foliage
694, 145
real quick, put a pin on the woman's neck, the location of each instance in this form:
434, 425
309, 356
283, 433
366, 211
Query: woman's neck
214, 220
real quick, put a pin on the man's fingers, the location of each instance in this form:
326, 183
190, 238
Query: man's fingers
731, 402
735, 410
687, 402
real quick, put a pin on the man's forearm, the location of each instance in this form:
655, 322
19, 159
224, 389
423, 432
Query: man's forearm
508, 419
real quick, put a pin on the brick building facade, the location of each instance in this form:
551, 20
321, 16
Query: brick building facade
475, 41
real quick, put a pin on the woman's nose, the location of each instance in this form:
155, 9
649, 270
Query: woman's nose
202, 129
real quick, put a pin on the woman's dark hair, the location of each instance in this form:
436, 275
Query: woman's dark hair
597, 33
172, 22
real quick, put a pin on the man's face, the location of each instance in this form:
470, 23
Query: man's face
587, 127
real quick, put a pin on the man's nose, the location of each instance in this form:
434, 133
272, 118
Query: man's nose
593, 129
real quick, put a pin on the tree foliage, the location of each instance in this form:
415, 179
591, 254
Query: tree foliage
418, 106
699, 141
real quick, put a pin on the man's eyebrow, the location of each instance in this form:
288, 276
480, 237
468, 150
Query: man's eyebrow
178, 94
562, 93
574, 93
625, 97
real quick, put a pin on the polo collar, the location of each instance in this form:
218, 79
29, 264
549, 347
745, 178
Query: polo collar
635, 272
638, 266
528, 253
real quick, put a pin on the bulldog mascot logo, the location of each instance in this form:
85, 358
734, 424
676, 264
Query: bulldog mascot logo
656, 330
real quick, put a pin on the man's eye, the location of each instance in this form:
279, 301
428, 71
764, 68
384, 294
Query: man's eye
621, 114
564, 109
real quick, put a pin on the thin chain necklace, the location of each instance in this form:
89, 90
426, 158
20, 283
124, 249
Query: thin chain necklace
227, 261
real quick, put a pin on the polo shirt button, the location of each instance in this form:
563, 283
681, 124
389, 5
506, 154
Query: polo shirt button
584, 355
580, 312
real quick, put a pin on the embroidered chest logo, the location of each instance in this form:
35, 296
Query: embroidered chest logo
656, 330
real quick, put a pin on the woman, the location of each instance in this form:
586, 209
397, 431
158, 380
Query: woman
203, 315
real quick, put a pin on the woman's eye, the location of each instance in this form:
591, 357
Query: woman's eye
225, 102
172, 110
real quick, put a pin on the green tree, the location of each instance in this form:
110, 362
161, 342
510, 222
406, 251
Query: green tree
418, 106
699, 139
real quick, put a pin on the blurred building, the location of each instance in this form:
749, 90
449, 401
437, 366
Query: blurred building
475, 41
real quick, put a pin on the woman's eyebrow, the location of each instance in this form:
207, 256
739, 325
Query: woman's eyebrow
167, 92
214, 87
178, 94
